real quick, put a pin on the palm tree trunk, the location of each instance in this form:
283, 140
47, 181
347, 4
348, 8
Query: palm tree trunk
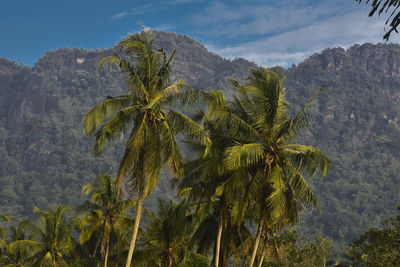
170, 259
257, 241
262, 258
218, 244
263, 250
228, 257
278, 256
108, 246
96, 247
135, 230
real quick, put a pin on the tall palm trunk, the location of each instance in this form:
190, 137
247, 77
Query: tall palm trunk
107, 248
135, 230
263, 250
257, 241
244, 262
170, 258
278, 256
219, 235
226, 260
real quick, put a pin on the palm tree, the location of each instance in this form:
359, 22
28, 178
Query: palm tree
3, 234
54, 245
17, 254
2, 230
147, 110
168, 233
216, 190
105, 216
259, 120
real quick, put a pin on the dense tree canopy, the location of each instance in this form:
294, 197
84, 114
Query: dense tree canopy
377, 247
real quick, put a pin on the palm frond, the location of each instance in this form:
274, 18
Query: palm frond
277, 199
183, 124
243, 155
170, 147
133, 149
110, 60
299, 185
307, 159
25, 246
102, 111
112, 127
5, 217
300, 120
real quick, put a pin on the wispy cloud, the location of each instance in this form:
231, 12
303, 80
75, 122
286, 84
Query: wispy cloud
295, 45
179, 2
267, 32
140, 10
119, 16
136, 11
281, 35
262, 18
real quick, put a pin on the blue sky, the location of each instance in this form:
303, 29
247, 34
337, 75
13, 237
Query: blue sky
264, 31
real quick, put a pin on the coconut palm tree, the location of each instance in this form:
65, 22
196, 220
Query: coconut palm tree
147, 112
105, 215
168, 233
17, 254
259, 119
53, 244
3, 242
216, 190
2, 230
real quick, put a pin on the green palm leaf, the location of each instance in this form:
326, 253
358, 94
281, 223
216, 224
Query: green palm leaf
243, 156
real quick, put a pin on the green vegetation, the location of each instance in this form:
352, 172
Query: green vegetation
377, 247
253, 168
256, 156
146, 109
175, 235
105, 218
242, 183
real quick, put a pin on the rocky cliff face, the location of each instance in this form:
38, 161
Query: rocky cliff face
46, 158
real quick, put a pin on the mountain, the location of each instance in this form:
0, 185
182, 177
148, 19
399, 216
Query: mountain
45, 158
356, 122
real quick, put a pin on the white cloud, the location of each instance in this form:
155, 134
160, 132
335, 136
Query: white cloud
164, 27
135, 11
179, 2
143, 9
343, 28
146, 28
262, 18
119, 16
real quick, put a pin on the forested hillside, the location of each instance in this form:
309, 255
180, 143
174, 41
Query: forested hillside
356, 123
45, 158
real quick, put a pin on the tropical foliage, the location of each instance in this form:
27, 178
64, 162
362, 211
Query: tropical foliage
105, 218
147, 112
46, 158
242, 183
377, 247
